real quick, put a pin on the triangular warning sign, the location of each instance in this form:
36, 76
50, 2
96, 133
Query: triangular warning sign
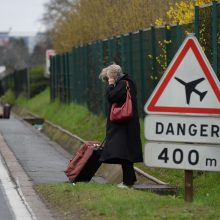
188, 86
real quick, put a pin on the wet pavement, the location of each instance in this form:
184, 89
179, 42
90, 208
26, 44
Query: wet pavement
43, 160
29, 158
5, 211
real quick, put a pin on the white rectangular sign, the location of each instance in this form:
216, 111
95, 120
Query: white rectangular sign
190, 129
182, 156
49, 53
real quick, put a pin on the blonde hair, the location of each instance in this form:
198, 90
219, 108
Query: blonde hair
115, 71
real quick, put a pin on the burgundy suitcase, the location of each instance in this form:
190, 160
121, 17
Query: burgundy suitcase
84, 163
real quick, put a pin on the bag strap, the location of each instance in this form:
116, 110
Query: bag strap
128, 89
127, 85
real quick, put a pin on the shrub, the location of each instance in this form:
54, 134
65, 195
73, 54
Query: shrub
8, 97
37, 80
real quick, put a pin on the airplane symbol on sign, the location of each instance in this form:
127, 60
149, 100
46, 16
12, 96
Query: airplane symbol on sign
190, 88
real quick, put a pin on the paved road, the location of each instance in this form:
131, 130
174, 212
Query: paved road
5, 210
26, 149
42, 159
12, 205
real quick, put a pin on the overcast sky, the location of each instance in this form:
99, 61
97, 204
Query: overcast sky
21, 15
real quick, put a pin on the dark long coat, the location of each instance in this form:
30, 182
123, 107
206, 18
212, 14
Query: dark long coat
122, 138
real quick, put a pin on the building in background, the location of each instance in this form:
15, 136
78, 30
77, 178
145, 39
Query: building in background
4, 38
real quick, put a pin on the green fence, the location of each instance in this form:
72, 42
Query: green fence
144, 55
17, 81
207, 29
27, 82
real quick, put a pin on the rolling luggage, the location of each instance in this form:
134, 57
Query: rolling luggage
85, 162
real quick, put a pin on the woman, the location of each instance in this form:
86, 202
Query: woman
123, 144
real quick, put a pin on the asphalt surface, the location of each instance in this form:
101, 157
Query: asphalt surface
43, 160
5, 211
30, 158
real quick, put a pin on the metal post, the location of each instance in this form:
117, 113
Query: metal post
154, 58
74, 94
51, 79
178, 35
110, 56
131, 54
78, 89
28, 83
80, 78
55, 78
66, 78
86, 73
118, 50
168, 43
214, 37
70, 76
196, 24
188, 185
55, 75
97, 68
63, 78
114, 49
142, 61
122, 39
101, 65
58, 77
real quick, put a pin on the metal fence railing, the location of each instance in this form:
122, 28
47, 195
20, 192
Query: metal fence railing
17, 81
207, 29
144, 55
24, 82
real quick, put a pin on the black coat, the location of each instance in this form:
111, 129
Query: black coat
122, 138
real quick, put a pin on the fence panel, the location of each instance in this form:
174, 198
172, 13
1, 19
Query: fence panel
144, 55
21, 82
52, 77
217, 23
91, 90
207, 24
206, 31
126, 48
136, 68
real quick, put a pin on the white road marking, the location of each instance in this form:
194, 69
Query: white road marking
15, 200
24, 200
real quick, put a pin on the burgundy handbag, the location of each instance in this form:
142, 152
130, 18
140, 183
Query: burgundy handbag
122, 112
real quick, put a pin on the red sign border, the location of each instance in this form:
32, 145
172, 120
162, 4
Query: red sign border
190, 44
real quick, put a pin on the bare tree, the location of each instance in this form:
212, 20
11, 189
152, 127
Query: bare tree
55, 10
38, 55
15, 54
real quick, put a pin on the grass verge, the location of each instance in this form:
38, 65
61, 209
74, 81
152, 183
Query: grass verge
78, 120
91, 201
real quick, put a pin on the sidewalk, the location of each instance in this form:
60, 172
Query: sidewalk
31, 159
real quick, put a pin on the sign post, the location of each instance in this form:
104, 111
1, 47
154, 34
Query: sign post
183, 122
188, 185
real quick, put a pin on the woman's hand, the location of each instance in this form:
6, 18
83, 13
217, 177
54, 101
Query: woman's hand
111, 77
111, 81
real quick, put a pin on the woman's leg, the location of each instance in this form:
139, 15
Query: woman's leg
129, 176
